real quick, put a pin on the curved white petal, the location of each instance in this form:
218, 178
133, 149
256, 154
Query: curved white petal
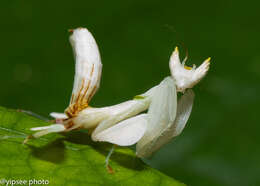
124, 133
161, 115
88, 69
183, 113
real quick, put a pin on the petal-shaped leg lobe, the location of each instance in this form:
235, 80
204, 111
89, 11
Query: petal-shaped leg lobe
161, 115
184, 109
124, 133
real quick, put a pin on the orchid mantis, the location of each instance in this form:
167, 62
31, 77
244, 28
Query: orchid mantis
123, 124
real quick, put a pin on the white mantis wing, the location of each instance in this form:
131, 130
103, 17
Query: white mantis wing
183, 113
161, 115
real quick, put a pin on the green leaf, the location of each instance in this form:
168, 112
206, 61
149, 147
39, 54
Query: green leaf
67, 159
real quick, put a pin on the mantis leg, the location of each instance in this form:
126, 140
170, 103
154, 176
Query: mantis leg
34, 114
108, 167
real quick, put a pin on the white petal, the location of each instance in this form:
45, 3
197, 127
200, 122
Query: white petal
88, 69
161, 115
183, 113
125, 133
57, 115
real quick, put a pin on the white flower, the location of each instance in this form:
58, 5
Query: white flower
184, 76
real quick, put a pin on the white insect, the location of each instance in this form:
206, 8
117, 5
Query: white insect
123, 124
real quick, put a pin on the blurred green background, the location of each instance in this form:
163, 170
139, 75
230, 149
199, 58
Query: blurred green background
220, 145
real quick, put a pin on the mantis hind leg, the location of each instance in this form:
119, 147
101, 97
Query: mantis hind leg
108, 167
